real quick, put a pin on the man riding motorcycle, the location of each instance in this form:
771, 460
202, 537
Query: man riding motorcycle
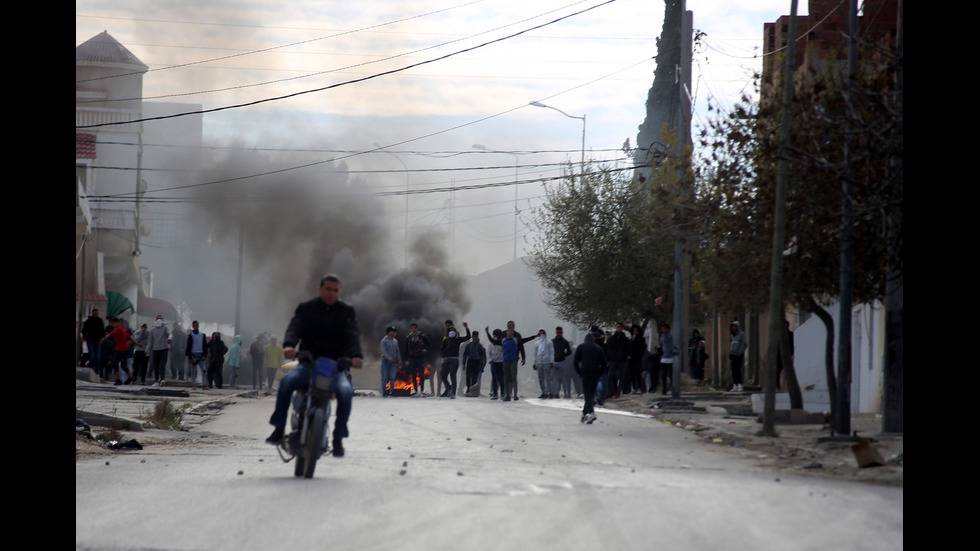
324, 326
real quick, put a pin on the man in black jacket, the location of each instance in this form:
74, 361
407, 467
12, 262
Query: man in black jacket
566, 374
324, 326
617, 350
590, 362
93, 329
450, 356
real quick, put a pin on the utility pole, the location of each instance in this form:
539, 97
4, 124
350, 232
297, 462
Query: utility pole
682, 253
842, 423
779, 235
238, 284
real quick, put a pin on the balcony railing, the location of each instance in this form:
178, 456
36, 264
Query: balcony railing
120, 120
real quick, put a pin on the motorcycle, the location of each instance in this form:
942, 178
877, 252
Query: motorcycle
311, 414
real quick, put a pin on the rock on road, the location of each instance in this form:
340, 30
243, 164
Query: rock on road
433, 474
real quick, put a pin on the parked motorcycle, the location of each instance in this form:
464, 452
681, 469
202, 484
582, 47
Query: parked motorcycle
311, 414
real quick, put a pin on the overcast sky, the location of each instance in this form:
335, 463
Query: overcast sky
458, 78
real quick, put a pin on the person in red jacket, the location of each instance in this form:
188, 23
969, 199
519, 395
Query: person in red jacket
119, 353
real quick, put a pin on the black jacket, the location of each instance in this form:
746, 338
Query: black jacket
93, 329
450, 345
217, 351
589, 357
324, 330
562, 348
618, 346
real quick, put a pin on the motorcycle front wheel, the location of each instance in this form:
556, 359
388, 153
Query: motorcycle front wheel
314, 438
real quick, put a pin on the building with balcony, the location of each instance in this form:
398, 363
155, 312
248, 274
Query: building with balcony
120, 158
108, 98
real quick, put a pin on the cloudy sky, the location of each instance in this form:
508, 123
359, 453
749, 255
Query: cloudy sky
390, 86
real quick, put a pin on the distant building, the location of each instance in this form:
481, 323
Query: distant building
113, 156
822, 37
108, 91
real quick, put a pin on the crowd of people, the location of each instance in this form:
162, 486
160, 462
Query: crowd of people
118, 353
607, 364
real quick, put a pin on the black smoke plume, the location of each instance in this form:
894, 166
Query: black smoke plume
293, 227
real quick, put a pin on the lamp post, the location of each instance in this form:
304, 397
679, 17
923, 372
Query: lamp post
582, 118
399, 159
516, 165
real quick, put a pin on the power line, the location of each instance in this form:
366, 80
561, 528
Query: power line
410, 140
251, 52
354, 81
426, 191
279, 81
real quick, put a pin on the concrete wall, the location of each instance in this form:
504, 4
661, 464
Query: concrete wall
867, 355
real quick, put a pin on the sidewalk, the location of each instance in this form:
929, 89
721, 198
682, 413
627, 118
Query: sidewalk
725, 420
125, 407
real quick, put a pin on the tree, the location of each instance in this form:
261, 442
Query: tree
737, 176
602, 252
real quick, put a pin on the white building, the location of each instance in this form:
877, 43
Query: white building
118, 163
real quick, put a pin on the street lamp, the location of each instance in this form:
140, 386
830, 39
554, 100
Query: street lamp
582, 118
516, 165
405, 249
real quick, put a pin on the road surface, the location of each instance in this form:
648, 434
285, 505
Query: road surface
470, 473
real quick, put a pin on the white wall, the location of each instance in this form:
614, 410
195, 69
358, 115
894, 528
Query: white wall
867, 353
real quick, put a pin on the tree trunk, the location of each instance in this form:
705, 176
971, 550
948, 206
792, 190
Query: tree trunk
828, 353
893, 416
789, 372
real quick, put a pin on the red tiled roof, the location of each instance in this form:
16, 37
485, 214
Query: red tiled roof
84, 146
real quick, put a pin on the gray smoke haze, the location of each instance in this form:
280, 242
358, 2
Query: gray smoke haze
297, 225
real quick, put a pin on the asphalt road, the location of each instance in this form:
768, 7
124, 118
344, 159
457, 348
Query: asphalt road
433, 474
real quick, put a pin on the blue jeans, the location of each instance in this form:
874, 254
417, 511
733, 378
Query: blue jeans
194, 362
298, 378
495, 377
388, 370
94, 356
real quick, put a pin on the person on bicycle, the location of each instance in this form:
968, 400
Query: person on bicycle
325, 326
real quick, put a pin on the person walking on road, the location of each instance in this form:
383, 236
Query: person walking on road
178, 340
391, 358
496, 354
160, 339
544, 364
93, 329
235, 359
196, 351
589, 362
120, 352
473, 358
512, 349
216, 361
273, 358
257, 352
667, 351
140, 360
450, 356
416, 349
567, 378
